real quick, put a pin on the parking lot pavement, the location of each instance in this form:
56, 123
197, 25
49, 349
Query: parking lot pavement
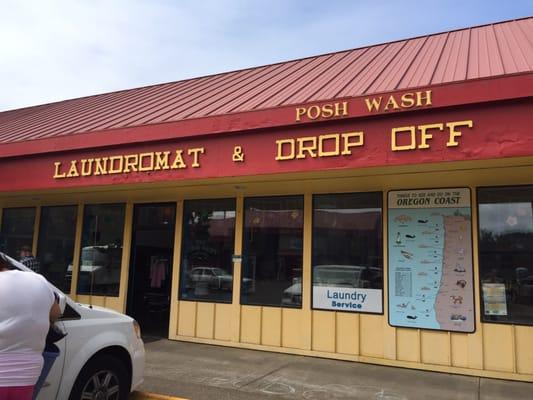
198, 372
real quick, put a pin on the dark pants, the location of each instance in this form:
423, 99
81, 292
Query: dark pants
51, 352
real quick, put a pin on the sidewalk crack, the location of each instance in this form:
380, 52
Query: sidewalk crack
265, 375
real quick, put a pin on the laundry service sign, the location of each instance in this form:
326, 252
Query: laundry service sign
347, 299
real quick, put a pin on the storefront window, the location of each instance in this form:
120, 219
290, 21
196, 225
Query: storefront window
56, 244
207, 248
347, 252
272, 251
17, 230
101, 249
506, 254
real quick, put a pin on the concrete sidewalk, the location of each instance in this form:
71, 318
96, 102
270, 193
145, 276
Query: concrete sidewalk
199, 372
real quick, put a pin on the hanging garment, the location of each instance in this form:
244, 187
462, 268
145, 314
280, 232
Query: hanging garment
157, 274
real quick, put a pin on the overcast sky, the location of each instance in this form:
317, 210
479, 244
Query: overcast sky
53, 50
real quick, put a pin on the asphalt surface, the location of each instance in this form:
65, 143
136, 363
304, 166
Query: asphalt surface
198, 372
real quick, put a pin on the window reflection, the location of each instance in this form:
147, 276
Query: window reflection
272, 251
207, 247
101, 249
347, 240
505, 252
17, 230
56, 244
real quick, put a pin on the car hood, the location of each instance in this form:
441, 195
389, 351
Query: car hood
294, 289
88, 311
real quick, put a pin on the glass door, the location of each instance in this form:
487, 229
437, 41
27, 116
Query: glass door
150, 278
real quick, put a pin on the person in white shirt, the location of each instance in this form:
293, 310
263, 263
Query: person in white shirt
27, 308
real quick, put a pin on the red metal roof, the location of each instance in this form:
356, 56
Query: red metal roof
488, 51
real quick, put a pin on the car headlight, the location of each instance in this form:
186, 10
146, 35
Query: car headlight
137, 329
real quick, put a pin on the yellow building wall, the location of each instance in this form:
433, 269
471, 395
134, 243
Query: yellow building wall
493, 350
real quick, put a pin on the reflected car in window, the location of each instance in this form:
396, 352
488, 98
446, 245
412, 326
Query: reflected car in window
292, 296
214, 277
97, 269
348, 276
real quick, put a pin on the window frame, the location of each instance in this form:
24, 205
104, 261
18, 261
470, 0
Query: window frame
383, 244
480, 294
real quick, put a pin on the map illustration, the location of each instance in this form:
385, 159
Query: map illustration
430, 260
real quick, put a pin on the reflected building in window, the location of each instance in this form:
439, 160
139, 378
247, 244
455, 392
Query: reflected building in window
55, 252
272, 251
101, 249
208, 241
506, 254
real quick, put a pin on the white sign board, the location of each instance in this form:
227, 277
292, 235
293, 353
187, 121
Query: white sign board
494, 299
347, 299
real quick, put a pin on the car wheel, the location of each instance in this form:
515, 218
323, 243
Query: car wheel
102, 378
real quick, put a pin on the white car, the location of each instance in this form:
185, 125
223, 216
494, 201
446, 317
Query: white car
102, 356
213, 277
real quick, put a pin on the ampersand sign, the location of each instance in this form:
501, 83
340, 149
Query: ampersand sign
238, 154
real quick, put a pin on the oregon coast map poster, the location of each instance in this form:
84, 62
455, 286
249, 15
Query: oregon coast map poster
430, 259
